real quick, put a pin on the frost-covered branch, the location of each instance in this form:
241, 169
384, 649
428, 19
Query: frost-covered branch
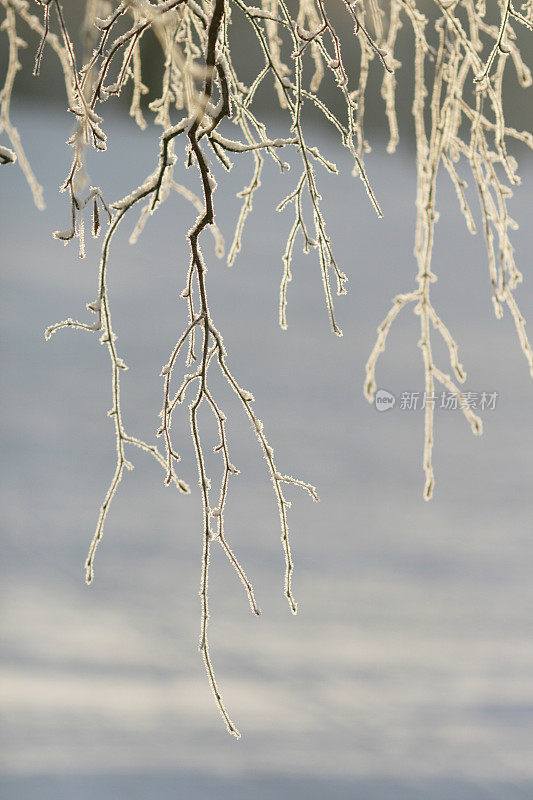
460, 54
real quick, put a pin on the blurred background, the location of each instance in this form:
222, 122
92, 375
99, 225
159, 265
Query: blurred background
408, 671
49, 86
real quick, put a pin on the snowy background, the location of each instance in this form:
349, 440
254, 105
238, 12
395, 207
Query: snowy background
408, 671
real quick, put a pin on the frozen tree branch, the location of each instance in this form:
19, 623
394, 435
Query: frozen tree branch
460, 54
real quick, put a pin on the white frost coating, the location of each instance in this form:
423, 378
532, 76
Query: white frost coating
7, 156
144, 189
65, 235
307, 36
239, 147
253, 11
213, 110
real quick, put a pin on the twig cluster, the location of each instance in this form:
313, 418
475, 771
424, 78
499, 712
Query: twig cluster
459, 117
458, 113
